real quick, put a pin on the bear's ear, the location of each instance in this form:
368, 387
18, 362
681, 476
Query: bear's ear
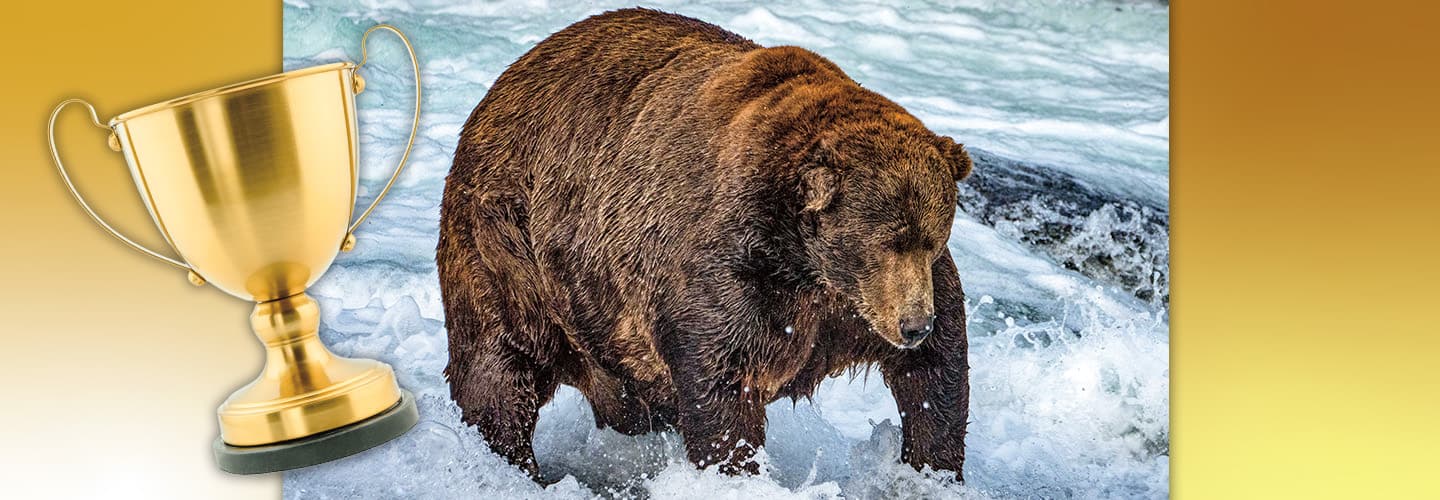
955, 155
819, 181
819, 185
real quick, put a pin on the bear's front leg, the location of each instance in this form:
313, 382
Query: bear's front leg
931, 383
501, 395
721, 421
709, 352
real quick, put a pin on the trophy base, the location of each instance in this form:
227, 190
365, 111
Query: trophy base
322, 447
308, 405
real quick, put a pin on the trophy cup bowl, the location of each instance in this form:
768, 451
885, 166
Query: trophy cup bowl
254, 185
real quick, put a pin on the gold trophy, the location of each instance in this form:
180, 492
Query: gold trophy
254, 185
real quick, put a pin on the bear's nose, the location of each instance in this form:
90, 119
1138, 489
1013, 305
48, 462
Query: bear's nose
914, 329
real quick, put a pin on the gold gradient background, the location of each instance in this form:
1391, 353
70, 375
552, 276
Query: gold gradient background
112, 363
1306, 193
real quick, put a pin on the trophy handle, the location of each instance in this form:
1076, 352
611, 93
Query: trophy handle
114, 145
349, 242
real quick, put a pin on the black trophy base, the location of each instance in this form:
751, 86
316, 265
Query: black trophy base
322, 447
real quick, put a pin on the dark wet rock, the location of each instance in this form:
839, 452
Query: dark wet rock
1107, 236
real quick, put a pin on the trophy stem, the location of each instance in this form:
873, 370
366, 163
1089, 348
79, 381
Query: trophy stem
304, 389
295, 357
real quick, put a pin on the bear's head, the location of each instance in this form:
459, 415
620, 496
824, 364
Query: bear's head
878, 201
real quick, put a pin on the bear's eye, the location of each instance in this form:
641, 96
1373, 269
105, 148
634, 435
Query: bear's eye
895, 244
907, 239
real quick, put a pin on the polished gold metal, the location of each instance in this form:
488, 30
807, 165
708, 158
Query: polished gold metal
359, 86
65, 176
253, 185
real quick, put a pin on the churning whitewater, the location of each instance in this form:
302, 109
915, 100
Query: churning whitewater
1061, 241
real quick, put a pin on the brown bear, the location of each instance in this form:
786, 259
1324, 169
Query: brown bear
686, 226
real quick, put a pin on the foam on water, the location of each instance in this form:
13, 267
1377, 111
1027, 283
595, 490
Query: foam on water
1070, 376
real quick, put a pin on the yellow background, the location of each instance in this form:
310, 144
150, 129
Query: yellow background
1305, 186
112, 363
1306, 193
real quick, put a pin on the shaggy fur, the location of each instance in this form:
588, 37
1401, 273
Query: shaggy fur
686, 226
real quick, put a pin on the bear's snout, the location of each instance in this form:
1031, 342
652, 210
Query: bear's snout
898, 301
914, 329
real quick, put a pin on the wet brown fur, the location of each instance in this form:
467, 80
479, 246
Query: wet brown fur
644, 202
